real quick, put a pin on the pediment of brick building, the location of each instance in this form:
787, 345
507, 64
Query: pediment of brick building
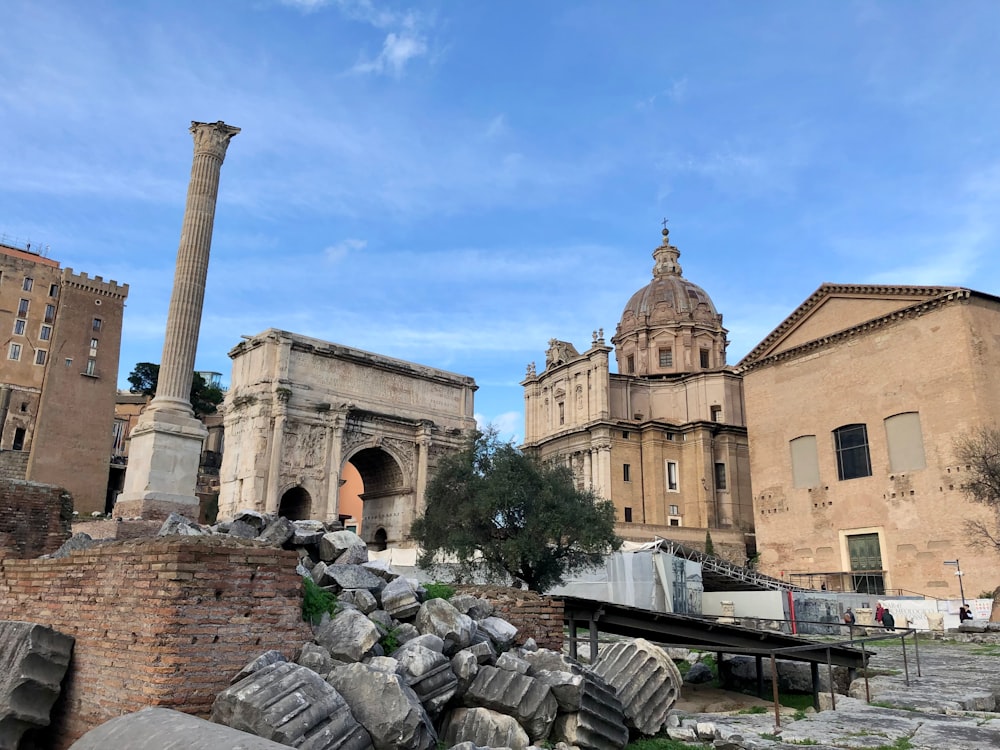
836, 308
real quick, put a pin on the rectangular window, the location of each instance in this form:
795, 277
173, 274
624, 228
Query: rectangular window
50, 313
53, 290
672, 482
45, 333
93, 343
666, 357
28, 283
562, 408
805, 463
40, 355
14, 352
628, 515
720, 476
674, 510
851, 444
627, 472
675, 522
704, 359
716, 413
91, 367
22, 308
905, 441
97, 324
630, 364
19, 327
625, 435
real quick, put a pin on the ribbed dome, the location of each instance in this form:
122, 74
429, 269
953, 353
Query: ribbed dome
668, 298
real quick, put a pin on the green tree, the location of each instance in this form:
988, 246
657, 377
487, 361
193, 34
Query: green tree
980, 452
205, 397
709, 545
505, 514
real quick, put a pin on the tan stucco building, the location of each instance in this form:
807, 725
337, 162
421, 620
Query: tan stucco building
665, 437
854, 404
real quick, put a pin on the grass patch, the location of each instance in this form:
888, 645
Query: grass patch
661, 743
886, 704
438, 591
901, 743
316, 601
799, 701
754, 710
806, 741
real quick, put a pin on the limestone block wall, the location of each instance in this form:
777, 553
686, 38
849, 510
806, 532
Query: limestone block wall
162, 622
534, 615
34, 518
13, 464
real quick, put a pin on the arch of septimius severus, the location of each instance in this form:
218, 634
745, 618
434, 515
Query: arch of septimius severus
299, 409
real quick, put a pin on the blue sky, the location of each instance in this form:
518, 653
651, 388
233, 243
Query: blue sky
455, 183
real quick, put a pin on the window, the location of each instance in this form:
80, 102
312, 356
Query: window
625, 435
627, 472
93, 343
97, 324
805, 464
45, 333
40, 355
675, 522
19, 327
53, 290
674, 510
720, 476
22, 308
24, 406
851, 443
704, 359
18, 439
666, 357
91, 367
630, 364
69, 361
716, 413
50, 313
905, 442
628, 515
672, 484
28, 283
562, 409
14, 352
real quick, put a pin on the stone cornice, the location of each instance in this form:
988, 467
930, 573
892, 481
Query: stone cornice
941, 296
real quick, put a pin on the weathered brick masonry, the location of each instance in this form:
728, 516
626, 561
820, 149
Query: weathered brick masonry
164, 622
534, 615
34, 518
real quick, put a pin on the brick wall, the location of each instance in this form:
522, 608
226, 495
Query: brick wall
35, 518
164, 622
13, 464
534, 615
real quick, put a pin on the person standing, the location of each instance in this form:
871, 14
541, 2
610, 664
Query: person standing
879, 610
888, 621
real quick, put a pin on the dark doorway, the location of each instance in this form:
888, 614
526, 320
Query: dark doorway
296, 504
380, 541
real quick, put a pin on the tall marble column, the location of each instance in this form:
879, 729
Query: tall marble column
165, 445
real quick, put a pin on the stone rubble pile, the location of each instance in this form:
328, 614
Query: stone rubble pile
392, 668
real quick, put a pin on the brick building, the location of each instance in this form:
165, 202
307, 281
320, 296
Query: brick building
58, 372
854, 405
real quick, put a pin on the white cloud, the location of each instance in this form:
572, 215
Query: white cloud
397, 51
508, 425
341, 249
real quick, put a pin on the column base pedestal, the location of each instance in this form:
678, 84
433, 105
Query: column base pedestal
162, 475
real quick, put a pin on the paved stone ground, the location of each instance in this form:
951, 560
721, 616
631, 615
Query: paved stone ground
953, 705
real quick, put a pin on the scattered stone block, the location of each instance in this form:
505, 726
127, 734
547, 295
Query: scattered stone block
291, 705
348, 636
79, 540
501, 632
177, 525
258, 521
164, 729
350, 577
265, 659
277, 532
483, 728
430, 675
646, 681
399, 599
525, 698
315, 657
438, 617
243, 530
386, 706
33, 661
334, 543
465, 666
512, 663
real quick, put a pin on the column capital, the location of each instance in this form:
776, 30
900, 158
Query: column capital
212, 138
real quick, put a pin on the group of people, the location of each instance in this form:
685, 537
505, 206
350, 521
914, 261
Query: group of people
886, 619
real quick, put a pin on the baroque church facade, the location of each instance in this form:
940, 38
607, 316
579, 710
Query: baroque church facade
664, 438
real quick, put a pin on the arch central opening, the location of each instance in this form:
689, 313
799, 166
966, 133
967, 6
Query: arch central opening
372, 483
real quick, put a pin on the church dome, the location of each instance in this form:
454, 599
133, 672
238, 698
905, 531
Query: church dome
671, 324
669, 297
